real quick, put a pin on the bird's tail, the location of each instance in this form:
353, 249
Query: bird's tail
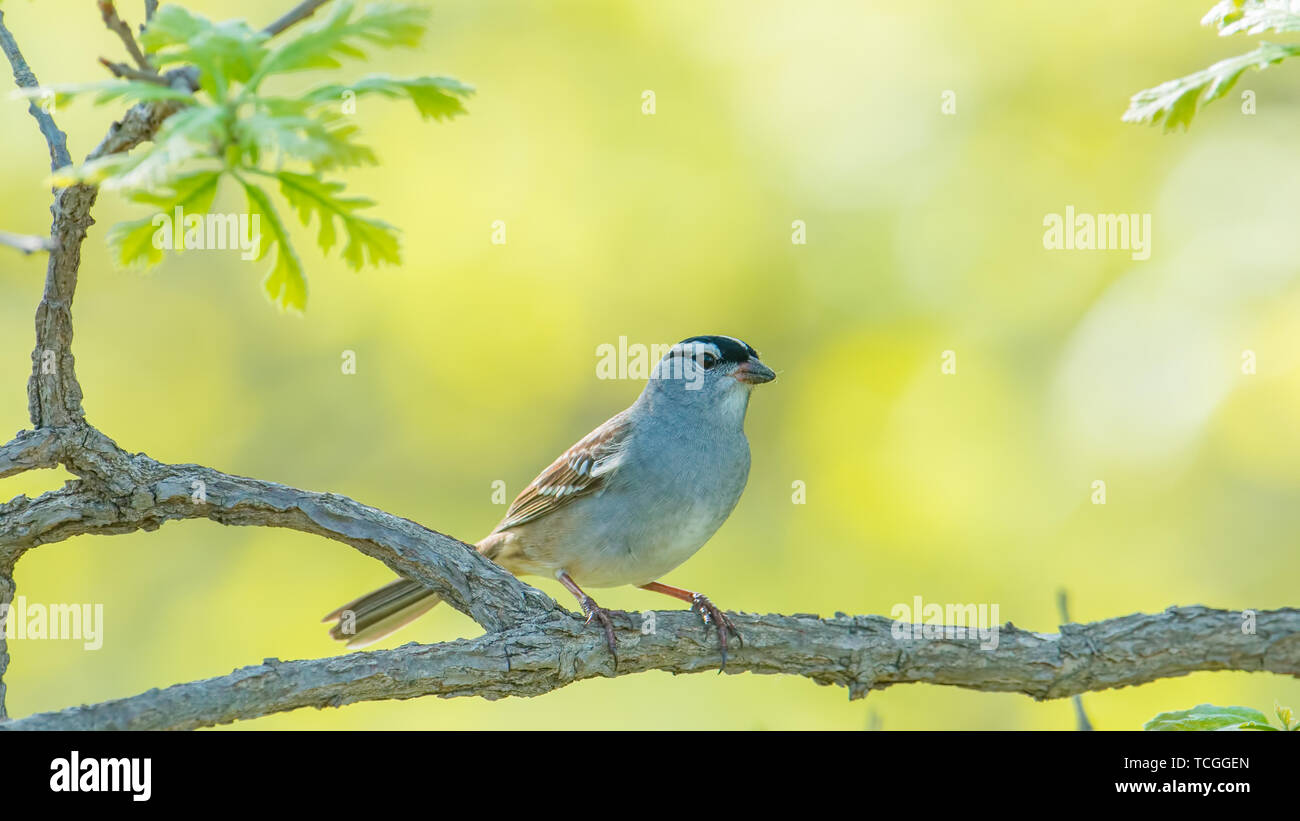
366, 620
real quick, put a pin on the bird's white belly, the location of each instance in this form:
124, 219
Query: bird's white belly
638, 556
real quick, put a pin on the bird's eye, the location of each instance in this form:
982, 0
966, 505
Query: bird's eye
706, 360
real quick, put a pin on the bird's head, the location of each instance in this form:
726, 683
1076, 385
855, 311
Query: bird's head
709, 371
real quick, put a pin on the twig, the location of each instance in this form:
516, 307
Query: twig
298, 13
23, 76
119, 27
25, 242
130, 73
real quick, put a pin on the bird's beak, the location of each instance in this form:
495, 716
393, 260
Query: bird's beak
753, 372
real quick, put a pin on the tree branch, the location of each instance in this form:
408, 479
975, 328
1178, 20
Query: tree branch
29, 450
25, 242
127, 72
295, 15
858, 652
23, 76
115, 24
124, 492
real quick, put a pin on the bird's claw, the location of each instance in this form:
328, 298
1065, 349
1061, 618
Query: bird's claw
595, 611
711, 615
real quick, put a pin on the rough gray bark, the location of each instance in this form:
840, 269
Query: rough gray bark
858, 652
120, 492
531, 646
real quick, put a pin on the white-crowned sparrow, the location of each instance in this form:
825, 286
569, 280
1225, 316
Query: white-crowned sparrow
629, 502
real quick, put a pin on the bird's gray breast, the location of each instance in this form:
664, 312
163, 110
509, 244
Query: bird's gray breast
671, 493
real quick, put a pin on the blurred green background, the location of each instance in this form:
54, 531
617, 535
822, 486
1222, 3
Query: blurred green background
476, 362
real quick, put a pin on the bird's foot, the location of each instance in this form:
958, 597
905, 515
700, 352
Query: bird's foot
713, 616
601, 614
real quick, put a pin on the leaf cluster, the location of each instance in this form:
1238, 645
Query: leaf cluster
233, 128
1176, 102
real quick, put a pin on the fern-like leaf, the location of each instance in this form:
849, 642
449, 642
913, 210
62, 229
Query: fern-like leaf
285, 283
133, 242
230, 127
286, 131
341, 35
368, 240
1175, 103
434, 97
1253, 16
223, 52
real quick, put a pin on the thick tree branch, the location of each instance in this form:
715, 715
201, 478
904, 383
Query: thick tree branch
29, 450
858, 652
122, 492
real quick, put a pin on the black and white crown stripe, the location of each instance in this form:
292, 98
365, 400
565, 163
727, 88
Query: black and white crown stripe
725, 348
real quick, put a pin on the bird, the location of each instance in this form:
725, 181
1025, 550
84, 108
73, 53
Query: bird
626, 504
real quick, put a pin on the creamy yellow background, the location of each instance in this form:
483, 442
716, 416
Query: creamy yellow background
477, 362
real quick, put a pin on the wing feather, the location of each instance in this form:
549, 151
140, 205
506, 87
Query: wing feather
580, 470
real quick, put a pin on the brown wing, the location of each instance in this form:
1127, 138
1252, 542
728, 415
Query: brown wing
581, 470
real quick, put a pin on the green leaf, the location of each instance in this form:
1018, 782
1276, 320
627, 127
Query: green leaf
194, 192
172, 26
1177, 101
368, 240
132, 242
223, 52
436, 97
1209, 717
282, 128
338, 35
285, 283
107, 91
244, 128
1250, 17
1285, 716
1252, 725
